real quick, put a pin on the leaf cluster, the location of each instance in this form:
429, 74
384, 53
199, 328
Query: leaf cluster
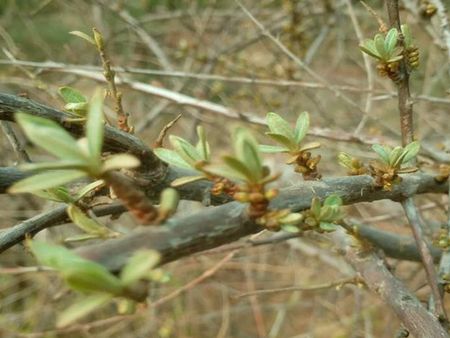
325, 217
383, 47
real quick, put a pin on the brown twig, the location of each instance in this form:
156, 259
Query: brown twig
162, 134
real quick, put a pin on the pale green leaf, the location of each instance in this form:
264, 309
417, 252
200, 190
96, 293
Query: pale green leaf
85, 223
88, 188
226, 171
301, 127
290, 228
395, 155
168, 202
59, 194
138, 266
283, 140
186, 150
382, 151
238, 166
187, 179
46, 180
120, 161
379, 45
78, 108
202, 146
82, 308
410, 151
292, 218
67, 164
84, 36
171, 157
278, 125
94, 125
316, 207
333, 200
345, 160
368, 47
50, 136
390, 41
272, 149
71, 95
407, 36
328, 227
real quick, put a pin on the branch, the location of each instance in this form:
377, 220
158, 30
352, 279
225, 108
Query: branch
215, 226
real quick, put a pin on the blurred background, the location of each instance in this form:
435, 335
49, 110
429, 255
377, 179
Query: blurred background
209, 61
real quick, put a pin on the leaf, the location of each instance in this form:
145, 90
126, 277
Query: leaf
225, 171
46, 180
272, 149
290, 228
138, 266
120, 161
252, 160
78, 108
410, 151
310, 146
88, 188
368, 47
50, 136
54, 256
94, 125
278, 125
186, 150
68, 164
84, 36
390, 41
238, 166
333, 200
382, 152
379, 45
407, 36
395, 155
85, 223
328, 227
301, 127
168, 202
283, 140
187, 179
82, 308
202, 146
171, 157
71, 95
315, 207
59, 194
345, 160
292, 218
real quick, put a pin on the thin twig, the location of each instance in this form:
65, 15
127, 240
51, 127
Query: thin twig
22, 155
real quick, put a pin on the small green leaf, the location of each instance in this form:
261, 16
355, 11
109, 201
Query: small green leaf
315, 207
301, 127
390, 41
84, 36
226, 171
278, 125
272, 149
345, 160
410, 151
283, 140
382, 151
59, 194
88, 188
290, 228
368, 47
328, 227
138, 266
379, 45
187, 179
46, 180
67, 164
85, 223
310, 146
77, 108
407, 36
120, 161
186, 150
395, 155
333, 200
171, 157
95, 126
50, 136
168, 202
292, 218
252, 160
238, 166
71, 95
82, 308
202, 145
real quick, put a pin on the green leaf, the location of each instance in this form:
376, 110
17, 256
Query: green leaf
252, 160
168, 202
238, 166
395, 155
328, 227
290, 228
292, 218
186, 150
171, 157
82, 308
316, 207
283, 140
310, 146
54, 256
226, 171
333, 200
390, 41
410, 151
382, 151
272, 149
379, 45
59, 194
68, 164
50, 136
88, 188
94, 125
202, 145
301, 127
46, 180
84, 36
85, 223
407, 36
368, 47
78, 108
187, 179
71, 95
138, 266
120, 161
345, 160
278, 125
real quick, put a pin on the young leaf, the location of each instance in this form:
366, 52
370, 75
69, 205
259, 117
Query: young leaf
410, 151
186, 150
85, 223
292, 218
82, 308
88, 188
77, 108
390, 40
333, 201
202, 145
171, 157
59, 194
67, 164
345, 160
407, 36
187, 179
138, 266
283, 140
120, 161
379, 45
84, 36
94, 125
383, 152
301, 127
226, 171
315, 207
395, 155
290, 228
252, 160
328, 227
50, 136
278, 125
168, 204
46, 180
71, 95
368, 47
51, 255
272, 149
238, 166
